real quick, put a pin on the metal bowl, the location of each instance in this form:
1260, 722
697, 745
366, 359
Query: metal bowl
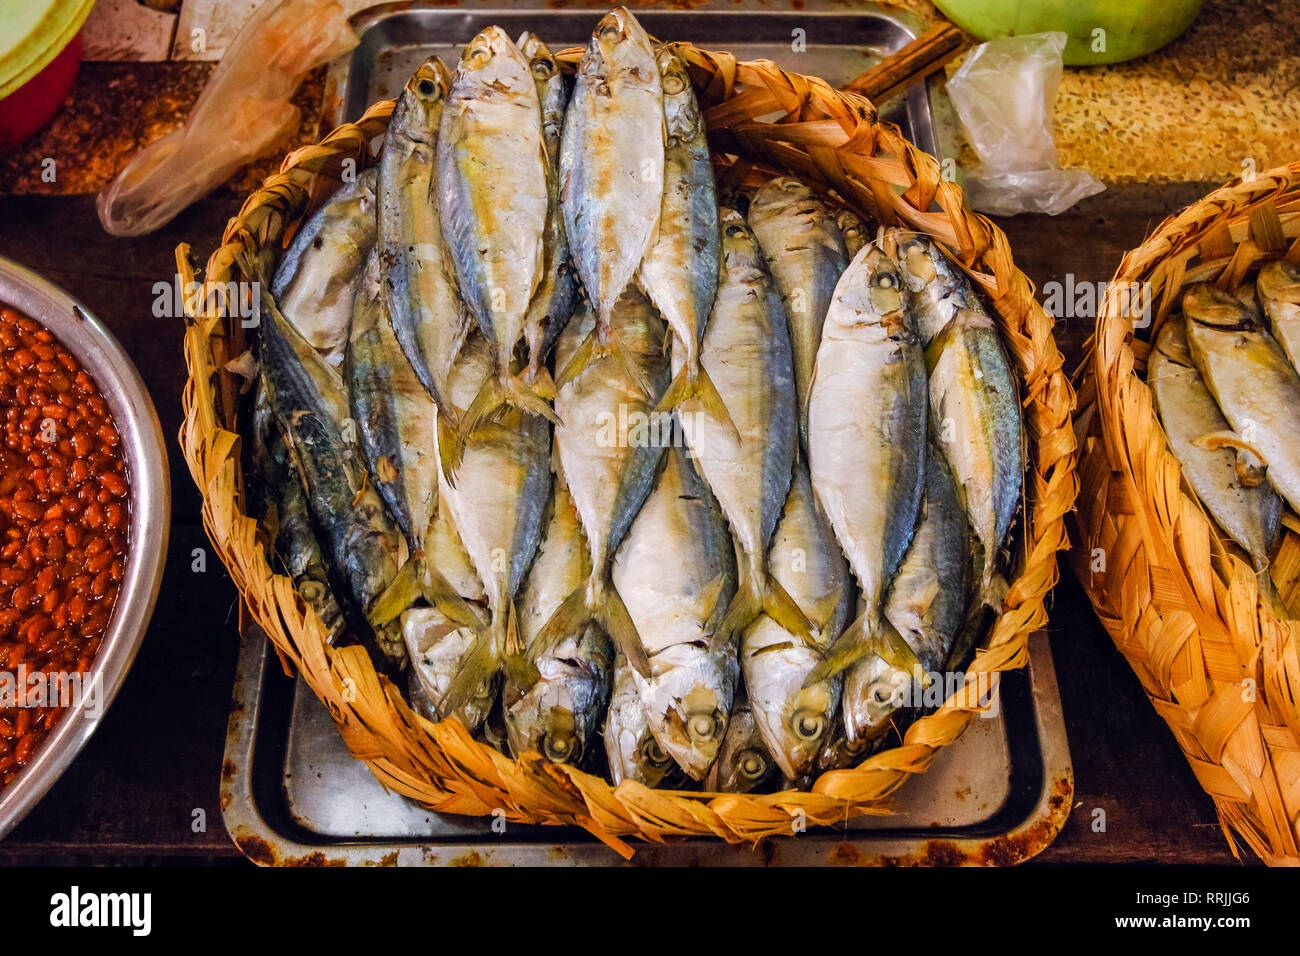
147, 534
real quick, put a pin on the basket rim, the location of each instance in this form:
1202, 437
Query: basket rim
1125, 452
862, 163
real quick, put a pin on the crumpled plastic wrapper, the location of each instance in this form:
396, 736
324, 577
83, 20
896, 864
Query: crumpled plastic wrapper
242, 113
1005, 95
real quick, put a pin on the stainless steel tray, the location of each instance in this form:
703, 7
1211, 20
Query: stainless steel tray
291, 794
834, 42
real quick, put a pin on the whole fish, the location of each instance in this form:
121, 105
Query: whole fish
359, 540
560, 714
1278, 288
805, 252
439, 649
493, 192
419, 287
497, 509
936, 289
676, 570
926, 604
866, 428
632, 751
557, 292
1249, 514
317, 277
748, 461
743, 763
287, 518
397, 423
612, 170
794, 720
853, 230
975, 407
607, 446
680, 270
1251, 380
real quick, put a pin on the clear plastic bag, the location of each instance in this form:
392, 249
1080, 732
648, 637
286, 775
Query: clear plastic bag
1005, 94
243, 111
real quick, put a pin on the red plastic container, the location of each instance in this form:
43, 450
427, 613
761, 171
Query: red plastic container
33, 104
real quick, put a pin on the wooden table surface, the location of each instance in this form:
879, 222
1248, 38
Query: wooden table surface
131, 796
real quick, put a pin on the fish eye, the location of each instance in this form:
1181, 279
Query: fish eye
543, 67
477, 53
735, 231
885, 280
752, 764
672, 142
808, 725
653, 753
610, 31
558, 748
791, 185
882, 693
674, 83
426, 88
704, 726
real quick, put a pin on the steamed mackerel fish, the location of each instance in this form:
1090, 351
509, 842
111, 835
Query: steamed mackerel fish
1251, 380
743, 763
493, 192
630, 748
926, 604
285, 514
557, 291
676, 570
748, 460
559, 716
611, 171
359, 540
1250, 515
316, 279
867, 427
794, 720
497, 507
805, 252
680, 270
1278, 289
607, 450
419, 287
397, 421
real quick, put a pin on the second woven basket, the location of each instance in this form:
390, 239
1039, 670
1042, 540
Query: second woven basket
1216, 658
828, 137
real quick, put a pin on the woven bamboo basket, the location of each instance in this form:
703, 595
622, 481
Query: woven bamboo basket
831, 138
1183, 605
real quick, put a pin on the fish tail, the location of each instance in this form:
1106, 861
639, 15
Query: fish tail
693, 382
578, 361
519, 668
492, 398
761, 593
616, 348
861, 638
595, 600
400, 594
437, 590
494, 647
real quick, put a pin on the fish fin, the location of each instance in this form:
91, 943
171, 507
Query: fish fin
1251, 464
450, 449
780, 607
621, 354
520, 670
897, 653
612, 615
526, 398
542, 383
437, 590
697, 385
578, 362
936, 345
479, 665
398, 596
571, 616
710, 602
741, 612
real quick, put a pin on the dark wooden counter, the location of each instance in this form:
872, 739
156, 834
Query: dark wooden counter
132, 794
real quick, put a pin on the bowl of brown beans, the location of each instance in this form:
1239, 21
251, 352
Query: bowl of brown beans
84, 521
